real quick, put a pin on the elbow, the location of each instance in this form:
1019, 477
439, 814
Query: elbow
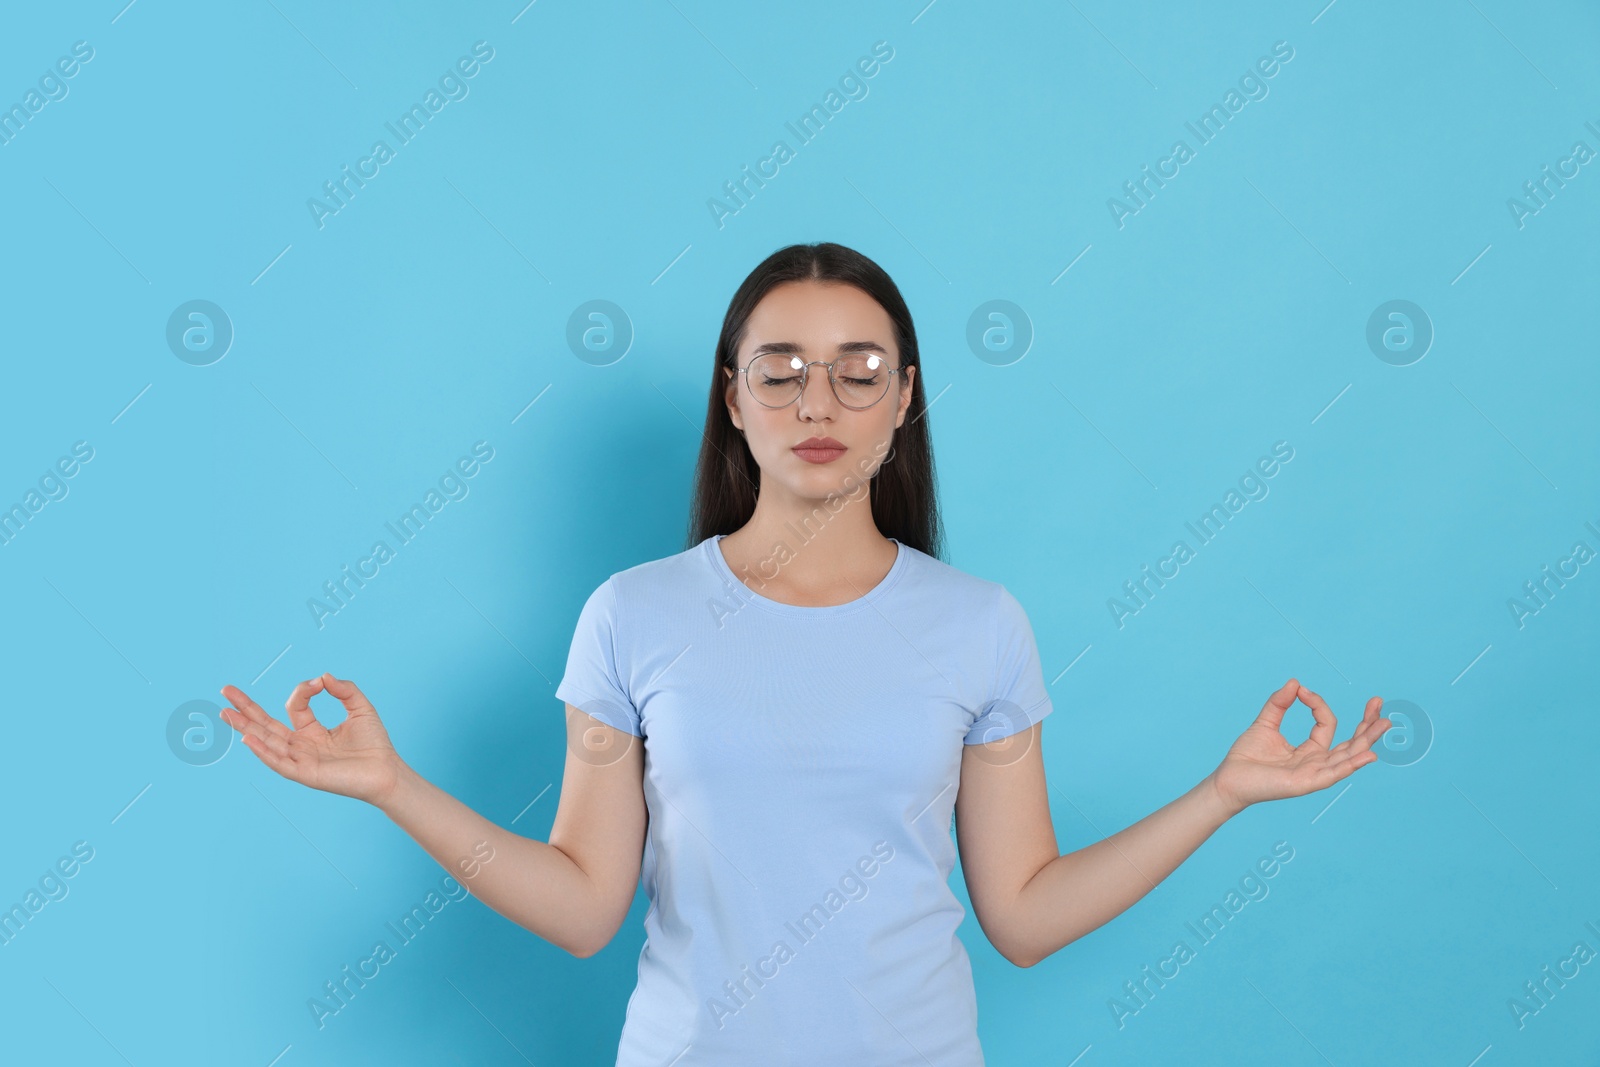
584, 945
1020, 955
585, 948
1020, 960
588, 940
1028, 955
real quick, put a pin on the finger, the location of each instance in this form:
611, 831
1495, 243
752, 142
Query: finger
270, 754
1322, 733
1367, 732
1372, 724
354, 700
1356, 759
276, 743
299, 704
1278, 703
245, 727
1343, 768
1324, 774
251, 712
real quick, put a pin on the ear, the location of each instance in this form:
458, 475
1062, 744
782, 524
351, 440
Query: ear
910, 376
730, 396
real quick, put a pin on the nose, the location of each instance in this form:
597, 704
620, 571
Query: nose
816, 396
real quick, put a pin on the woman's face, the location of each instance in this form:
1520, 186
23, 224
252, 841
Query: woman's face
812, 320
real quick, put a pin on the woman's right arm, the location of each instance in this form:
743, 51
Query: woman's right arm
573, 891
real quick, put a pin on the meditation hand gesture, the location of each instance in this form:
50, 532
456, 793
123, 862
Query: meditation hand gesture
354, 759
1262, 765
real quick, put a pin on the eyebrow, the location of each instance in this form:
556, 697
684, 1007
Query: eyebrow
792, 348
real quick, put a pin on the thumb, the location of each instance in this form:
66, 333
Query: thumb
1277, 704
349, 694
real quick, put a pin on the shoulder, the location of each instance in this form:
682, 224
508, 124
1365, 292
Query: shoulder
977, 598
933, 573
677, 573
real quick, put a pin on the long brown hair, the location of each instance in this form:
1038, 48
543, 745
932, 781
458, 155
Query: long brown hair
902, 491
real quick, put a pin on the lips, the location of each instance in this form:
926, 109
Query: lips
819, 449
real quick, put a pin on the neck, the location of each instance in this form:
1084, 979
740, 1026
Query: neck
817, 543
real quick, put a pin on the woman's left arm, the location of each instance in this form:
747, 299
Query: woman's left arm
1031, 901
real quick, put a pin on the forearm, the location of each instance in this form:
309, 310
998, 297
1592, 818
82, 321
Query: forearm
530, 882
1082, 890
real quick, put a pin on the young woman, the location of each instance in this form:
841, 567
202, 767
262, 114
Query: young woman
775, 726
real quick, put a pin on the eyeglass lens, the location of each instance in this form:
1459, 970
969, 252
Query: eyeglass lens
860, 379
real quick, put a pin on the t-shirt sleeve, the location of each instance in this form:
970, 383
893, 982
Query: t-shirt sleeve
592, 682
1017, 698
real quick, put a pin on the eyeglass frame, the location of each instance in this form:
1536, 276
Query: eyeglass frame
805, 376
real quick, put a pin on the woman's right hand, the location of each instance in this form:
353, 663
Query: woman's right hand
354, 759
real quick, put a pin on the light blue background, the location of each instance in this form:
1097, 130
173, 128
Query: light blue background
1229, 314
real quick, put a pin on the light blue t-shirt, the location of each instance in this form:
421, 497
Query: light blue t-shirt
801, 768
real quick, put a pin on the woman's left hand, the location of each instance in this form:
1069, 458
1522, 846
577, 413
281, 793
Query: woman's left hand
1262, 765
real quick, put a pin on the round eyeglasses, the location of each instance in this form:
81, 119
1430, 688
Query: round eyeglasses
859, 379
